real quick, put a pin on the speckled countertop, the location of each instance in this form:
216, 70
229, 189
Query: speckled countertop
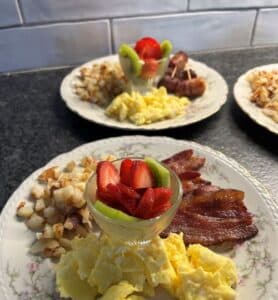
36, 126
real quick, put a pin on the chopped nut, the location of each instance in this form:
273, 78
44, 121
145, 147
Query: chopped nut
24, 211
51, 173
40, 205
85, 214
58, 252
58, 230
47, 232
37, 191
70, 166
35, 222
88, 162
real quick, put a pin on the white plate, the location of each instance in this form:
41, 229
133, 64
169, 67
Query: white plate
242, 94
23, 276
212, 100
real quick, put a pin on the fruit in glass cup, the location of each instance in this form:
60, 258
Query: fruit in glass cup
146, 63
133, 200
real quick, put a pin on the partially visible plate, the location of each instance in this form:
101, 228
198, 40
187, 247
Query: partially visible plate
242, 94
23, 276
201, 108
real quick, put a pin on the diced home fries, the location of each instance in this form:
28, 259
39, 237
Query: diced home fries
57, 211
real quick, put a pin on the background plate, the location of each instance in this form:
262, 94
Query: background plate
212, 100
242, 94
23, 276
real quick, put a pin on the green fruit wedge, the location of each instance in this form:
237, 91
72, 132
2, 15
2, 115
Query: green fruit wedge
160, 173
112, 212
166, 48
127, 51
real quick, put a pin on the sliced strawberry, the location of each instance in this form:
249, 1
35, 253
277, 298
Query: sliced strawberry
162, 195
125, 171
141, 175
149, 69
162, 202
159, 210
106, 173
129, 198
145, 206
148, 48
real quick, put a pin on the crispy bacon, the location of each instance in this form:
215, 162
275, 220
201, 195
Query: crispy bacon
208, 214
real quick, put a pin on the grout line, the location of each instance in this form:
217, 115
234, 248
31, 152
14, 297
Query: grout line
19, 11
188, 5
112, 41
254, 28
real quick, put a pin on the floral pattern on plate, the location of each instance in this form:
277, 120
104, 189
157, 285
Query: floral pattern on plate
23, 276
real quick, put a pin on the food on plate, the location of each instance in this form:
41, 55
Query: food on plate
264, 86
100, 83
208, 214
57, 211
99, 268
154, 106
133, 191
146, 62
180, 79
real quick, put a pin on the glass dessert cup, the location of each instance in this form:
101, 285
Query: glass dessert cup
144, 81
134, 232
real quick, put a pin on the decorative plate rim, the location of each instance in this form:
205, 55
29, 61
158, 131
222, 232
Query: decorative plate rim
271, 205
237, 86
129, 126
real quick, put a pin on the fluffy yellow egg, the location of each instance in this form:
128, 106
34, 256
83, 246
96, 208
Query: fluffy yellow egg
97, 268
140, 109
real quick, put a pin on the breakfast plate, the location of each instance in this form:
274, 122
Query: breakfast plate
201, 108
23, 276
242, 94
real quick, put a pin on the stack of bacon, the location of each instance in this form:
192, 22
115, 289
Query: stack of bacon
208, 214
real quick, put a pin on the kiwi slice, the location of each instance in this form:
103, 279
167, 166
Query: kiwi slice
126, 51
160, 173
112, 212
166, 48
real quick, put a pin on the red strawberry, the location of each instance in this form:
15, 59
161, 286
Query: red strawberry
106, 173
148, 48
129, 198
149, 69
162, 202
125, 171
145, 205
141, 175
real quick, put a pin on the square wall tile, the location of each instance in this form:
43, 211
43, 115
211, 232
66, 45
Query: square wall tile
221, 4
190, 31
53, 10
53, 45
9, 13
266, 31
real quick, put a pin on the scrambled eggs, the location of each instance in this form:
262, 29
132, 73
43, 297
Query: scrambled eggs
99, 268
140, 109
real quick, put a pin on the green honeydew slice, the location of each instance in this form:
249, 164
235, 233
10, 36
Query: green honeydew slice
166, 48
112, 212
127, 51
161, 174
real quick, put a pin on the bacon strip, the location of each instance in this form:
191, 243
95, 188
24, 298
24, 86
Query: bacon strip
208, 214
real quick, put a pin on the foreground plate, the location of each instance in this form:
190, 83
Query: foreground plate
212, 100
23, 276
242, 94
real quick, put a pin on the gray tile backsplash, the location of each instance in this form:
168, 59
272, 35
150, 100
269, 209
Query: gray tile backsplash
45, 33
267, 27
52, 45
221, 4
53, 10
9, 13
198, 31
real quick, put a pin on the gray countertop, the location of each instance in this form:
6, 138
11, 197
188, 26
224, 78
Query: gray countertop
36, 126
